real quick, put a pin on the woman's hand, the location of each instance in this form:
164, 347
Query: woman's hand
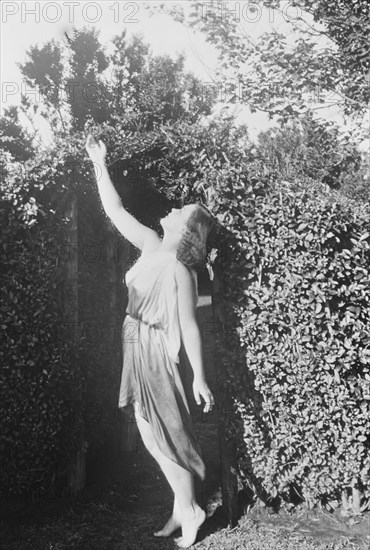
95, 150
201, 389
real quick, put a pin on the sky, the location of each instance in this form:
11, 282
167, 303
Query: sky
24, 24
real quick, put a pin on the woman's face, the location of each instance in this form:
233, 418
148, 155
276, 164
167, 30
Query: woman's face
175, 220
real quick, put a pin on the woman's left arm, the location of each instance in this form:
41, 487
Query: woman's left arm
190, 334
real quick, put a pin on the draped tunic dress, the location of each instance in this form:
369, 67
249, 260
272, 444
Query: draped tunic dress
151, 340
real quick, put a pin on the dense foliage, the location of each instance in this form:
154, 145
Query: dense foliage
300, 309
39, 376
14, 138
308, 148
347, 24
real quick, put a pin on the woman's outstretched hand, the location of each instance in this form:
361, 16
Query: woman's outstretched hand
95, 150
201, 389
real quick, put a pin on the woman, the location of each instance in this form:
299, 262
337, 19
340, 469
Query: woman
160, 314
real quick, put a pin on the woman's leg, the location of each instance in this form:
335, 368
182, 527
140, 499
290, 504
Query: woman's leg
182, 484
173, 523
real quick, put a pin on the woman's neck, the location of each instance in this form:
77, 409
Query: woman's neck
170, 243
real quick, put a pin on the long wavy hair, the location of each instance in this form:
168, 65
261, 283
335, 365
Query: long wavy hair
192, 250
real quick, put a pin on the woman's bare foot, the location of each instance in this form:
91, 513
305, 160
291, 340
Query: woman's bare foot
191, 521
172, 524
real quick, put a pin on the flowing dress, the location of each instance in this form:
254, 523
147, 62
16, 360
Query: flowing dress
151, 340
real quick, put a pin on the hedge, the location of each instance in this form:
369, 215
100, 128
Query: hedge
297, 296
39, 382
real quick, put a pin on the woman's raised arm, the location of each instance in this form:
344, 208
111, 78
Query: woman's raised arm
134, 231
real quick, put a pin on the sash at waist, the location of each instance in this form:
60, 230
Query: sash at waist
155, 325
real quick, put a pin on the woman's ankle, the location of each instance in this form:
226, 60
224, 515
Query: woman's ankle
190, 511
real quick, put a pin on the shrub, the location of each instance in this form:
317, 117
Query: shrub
38, 378
297, 294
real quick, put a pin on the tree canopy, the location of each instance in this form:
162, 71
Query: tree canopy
322, 59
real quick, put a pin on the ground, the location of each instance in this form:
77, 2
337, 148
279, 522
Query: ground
126, 498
